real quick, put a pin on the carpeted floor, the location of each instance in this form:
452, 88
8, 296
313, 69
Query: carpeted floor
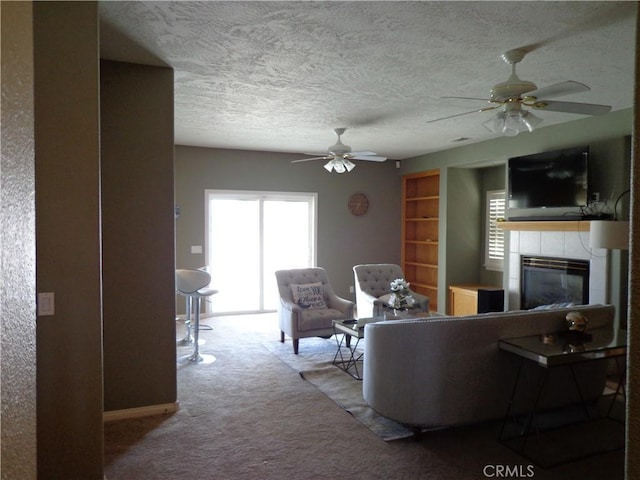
315, 364
250, 414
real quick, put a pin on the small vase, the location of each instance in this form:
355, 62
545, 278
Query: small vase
401, 313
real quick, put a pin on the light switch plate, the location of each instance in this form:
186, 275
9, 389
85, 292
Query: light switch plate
46, 304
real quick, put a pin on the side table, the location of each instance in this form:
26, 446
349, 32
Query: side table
555, 351
345, 331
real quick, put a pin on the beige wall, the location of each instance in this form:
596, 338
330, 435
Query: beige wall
138, 235
69, 343
343, 240
17, 247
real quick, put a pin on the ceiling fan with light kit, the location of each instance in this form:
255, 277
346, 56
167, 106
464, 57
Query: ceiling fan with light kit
513, 95
340, 156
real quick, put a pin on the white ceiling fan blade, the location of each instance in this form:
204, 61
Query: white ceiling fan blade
465, 113
354, 154
371, 158
559, 89
312, 158
340, 156
572, 107
469, 98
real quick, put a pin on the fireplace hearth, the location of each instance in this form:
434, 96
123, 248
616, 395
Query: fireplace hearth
553, 281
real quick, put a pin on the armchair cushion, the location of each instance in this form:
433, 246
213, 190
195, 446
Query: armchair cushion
317, 318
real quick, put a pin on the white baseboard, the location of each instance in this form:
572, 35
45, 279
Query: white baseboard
129, 413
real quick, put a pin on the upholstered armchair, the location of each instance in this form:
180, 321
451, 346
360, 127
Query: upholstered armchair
372, 285
308, 304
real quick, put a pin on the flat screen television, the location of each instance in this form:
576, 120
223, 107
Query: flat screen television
550, 179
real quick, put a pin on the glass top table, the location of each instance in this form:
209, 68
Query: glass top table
563, 349
550, 350
345, 330
351, 328
354, 327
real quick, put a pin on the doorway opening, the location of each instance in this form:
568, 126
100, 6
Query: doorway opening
250, 235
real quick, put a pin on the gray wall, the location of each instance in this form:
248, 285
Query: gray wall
137, 235
343, 240
137, 249
67, 140
465, 226
17, 238
608, 139
464, 229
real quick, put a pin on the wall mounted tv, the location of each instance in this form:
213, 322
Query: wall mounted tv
550, 179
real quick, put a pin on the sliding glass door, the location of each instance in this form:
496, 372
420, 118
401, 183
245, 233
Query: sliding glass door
250, 235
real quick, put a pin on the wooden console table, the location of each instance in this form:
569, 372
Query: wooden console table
475, 298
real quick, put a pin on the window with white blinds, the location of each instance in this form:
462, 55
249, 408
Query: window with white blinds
494, 241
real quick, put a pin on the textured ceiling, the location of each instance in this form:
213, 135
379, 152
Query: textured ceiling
279, 76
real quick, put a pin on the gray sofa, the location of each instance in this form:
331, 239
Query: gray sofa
445, 371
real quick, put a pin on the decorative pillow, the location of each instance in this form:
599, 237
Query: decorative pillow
308, 295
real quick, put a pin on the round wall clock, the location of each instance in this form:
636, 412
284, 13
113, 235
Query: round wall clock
358, 204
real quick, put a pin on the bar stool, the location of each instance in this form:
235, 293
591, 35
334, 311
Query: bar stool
192, 284
188, 338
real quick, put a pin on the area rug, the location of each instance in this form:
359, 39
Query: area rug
314, 363
347, 392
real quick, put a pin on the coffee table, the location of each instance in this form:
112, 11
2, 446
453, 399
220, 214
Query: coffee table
561, 350
345, 331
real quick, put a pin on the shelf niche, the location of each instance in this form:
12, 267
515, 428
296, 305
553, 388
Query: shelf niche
420, 231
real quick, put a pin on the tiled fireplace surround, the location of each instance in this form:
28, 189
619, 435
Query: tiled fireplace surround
563, 244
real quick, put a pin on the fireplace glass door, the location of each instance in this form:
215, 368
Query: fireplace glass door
547, 281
